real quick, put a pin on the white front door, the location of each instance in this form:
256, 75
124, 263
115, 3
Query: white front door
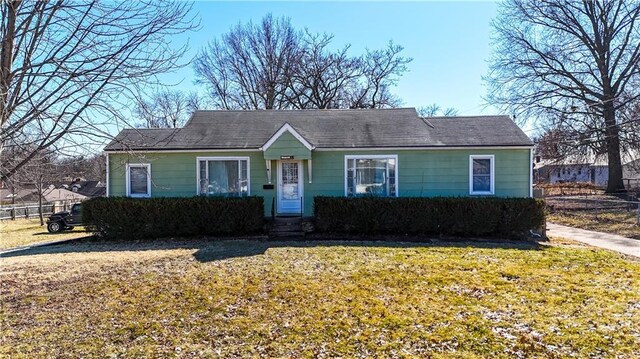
290, 191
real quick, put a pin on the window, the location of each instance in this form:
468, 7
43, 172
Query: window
481, 174
139, 180
223, 176
371, 175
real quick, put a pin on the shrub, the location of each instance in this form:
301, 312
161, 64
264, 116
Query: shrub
137, 218
444, 216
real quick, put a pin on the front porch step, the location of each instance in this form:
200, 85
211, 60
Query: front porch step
296, 234
286, 227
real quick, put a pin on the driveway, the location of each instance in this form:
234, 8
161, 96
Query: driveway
597, 239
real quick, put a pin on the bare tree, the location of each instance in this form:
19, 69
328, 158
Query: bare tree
250, 66
570, 64
559, 143
67, 67
167, 109
274, 66
434, 110
381, 71
320, 77
38, 174
91, 167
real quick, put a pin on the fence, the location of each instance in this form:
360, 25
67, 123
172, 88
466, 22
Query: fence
599, 208
31, 210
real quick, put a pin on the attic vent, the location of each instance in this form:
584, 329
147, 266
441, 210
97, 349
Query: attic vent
427, 122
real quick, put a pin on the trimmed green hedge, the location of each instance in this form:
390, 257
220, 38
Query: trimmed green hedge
444, 216
137, 218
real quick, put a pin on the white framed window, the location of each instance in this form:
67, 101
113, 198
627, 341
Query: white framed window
223, 176
482, 174
138, 180
371, 175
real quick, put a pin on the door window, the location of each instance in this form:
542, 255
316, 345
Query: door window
290, 181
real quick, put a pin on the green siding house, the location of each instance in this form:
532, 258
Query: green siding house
291, 156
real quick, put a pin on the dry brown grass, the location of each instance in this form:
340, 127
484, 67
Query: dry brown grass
618, 222
22, 232
247, 298
569, 188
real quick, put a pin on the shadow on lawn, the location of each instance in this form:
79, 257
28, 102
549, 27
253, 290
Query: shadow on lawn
208, 250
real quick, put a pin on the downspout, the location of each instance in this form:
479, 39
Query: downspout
107, 169
531, 172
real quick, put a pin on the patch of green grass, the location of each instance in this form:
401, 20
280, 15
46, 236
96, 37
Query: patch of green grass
22, 232
620, 222
319, 299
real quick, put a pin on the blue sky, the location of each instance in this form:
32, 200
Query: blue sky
448, 41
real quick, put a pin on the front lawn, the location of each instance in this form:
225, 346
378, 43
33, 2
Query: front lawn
246, 298
22, 232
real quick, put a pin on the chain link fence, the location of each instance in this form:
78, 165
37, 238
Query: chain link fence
617, 214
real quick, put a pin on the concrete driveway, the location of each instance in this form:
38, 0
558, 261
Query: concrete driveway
597, 239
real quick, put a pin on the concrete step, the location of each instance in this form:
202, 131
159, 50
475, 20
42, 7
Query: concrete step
290, 225
286, 227
292, 234
288, 220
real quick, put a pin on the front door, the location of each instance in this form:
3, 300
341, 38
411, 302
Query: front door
290, 187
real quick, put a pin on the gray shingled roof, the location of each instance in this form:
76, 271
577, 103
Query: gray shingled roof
400, 127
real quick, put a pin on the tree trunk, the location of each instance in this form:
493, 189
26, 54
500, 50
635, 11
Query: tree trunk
13, 202
40, 210
40, 192
612, 141
6, 61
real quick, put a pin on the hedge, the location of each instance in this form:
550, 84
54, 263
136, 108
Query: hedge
138, 218
443, 216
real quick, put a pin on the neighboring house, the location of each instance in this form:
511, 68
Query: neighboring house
19, 196
52, 194
585, 169
30, 195
290, 156
88, 188
561, 171
631, 173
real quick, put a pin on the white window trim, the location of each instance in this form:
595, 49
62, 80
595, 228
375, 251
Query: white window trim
147, 166
369, 157
235, 158
492, 175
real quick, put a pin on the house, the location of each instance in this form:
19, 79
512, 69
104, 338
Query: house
290, 156
18, 196
61, 198
53, 194
572, 170
588, 168
88, 188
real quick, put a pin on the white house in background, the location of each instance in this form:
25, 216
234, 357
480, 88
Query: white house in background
592, 169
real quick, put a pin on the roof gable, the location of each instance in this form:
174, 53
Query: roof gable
286, 128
